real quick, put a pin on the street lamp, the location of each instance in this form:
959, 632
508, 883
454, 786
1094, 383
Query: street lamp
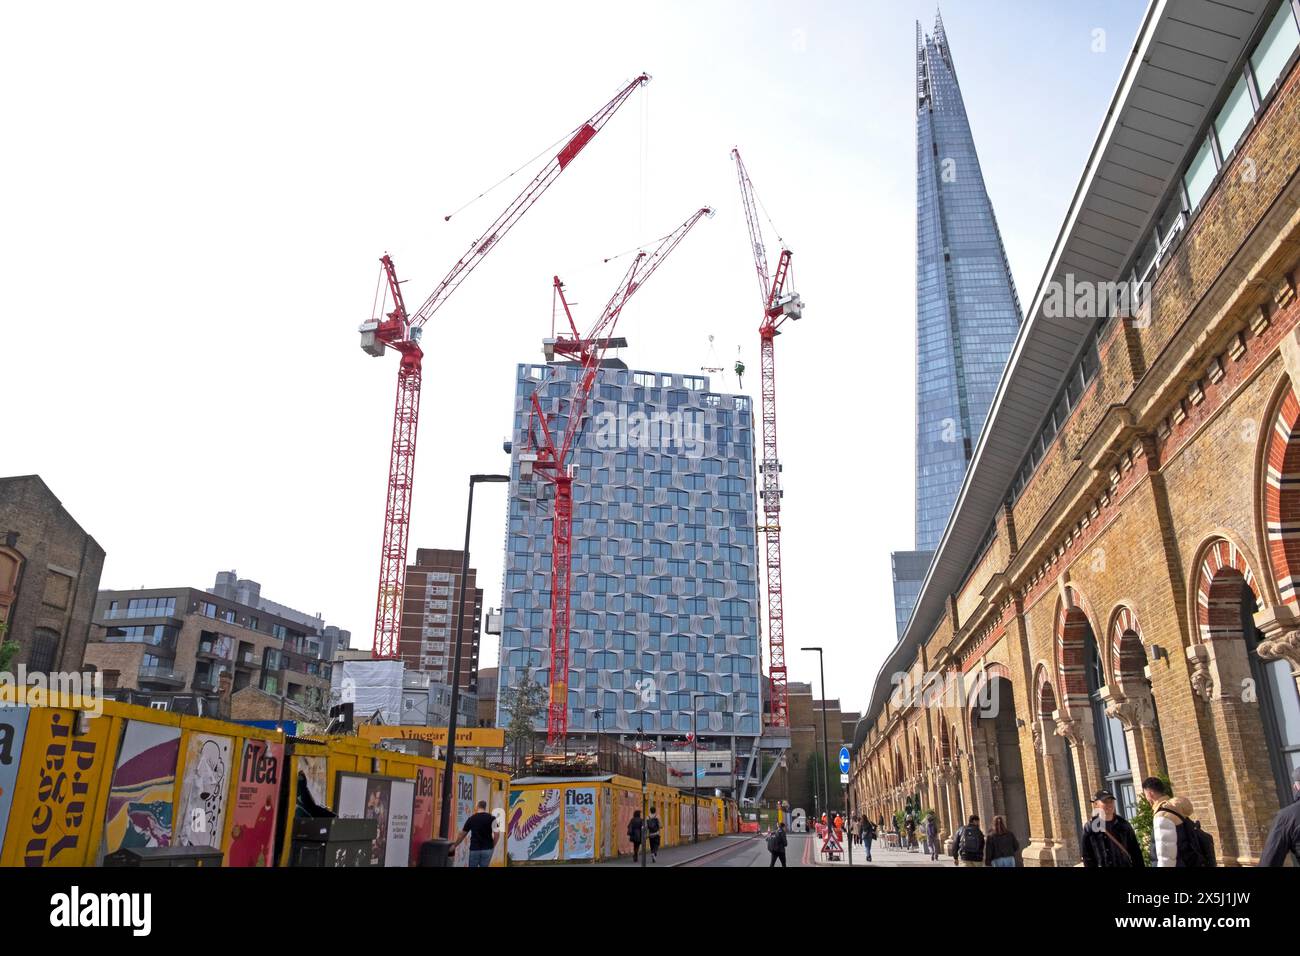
645, 804
826, 758
695, 760
444, 818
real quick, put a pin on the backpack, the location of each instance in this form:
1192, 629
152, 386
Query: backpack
971, 843
1195, 846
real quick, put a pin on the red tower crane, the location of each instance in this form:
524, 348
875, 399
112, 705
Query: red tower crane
549, 455
778, 305
401, 332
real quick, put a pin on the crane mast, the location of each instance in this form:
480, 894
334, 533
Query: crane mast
778, 305
401, 332
550, 458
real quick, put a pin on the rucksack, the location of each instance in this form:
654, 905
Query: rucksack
1195, 846
972, 842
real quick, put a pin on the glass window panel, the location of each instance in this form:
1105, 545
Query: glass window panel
1200, 174
1234, 117
1278, 42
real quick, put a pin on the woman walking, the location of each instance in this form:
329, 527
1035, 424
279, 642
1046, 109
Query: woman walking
635, 831
1001, 847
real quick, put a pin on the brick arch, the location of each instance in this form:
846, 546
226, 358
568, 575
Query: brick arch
945, 741
1128, 657
1220, 573
1282, 498
1073, 625
1044, 693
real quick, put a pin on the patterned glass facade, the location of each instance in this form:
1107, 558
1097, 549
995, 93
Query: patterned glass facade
967, 312
664, 590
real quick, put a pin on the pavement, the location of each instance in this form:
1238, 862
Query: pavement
750, 850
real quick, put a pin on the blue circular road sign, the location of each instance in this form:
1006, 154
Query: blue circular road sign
844, 760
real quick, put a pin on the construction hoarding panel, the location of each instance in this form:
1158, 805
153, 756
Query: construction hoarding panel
252, 829
534, 824
13, 728
579, 823
61, 778
144, 780
205, 788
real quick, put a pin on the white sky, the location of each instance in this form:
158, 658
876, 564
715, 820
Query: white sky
194, 199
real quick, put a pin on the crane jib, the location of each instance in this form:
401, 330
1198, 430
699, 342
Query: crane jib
574, 146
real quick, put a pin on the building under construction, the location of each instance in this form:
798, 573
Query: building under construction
665, 573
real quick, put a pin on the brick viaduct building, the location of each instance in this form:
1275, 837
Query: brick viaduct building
1115, 594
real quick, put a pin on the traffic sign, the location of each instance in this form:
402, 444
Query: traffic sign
844, 760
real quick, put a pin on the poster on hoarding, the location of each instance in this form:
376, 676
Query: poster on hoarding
205, 783
401, 797
464, 806
13, 727
579, 823
378, 793
257, 795
60, 773
628, 804
534, 824
140, 798
424, 816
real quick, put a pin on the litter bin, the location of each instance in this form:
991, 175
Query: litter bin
435, 852
165, 856
332, 841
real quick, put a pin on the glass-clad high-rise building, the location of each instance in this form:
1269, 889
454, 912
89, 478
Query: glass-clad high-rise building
664, 588
967, 311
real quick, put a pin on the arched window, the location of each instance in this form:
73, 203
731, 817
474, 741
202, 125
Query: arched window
45, 648
1112, 747
1279, 702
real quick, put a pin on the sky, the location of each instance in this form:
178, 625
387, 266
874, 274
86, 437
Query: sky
195, 197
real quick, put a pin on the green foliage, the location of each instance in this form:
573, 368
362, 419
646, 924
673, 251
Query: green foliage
525, 704
1142, 820
8, 649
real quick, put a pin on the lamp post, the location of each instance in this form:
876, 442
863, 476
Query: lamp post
645, 805
695, 760
444, 818
826, 758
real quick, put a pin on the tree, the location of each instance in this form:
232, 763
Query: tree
525, 704
8, 649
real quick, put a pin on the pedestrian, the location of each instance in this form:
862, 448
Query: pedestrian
868, 835
776, 841
911, 832
1176, 839
635, 831
838, 824
968, 845
932, 835
1284, 835
652, 831
482, 836
1002, 846
1108, 839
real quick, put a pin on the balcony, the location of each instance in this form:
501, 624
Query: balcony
162, 675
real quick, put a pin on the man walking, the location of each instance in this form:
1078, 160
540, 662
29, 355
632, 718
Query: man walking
1108, 839
482, 838
868, 835
652, 832
968, 846
776, 841
932, 835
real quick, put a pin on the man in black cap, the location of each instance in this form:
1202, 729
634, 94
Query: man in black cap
1285, 832
1108, 839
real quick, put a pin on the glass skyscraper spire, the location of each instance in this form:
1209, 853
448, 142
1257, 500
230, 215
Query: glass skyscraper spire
967, 311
